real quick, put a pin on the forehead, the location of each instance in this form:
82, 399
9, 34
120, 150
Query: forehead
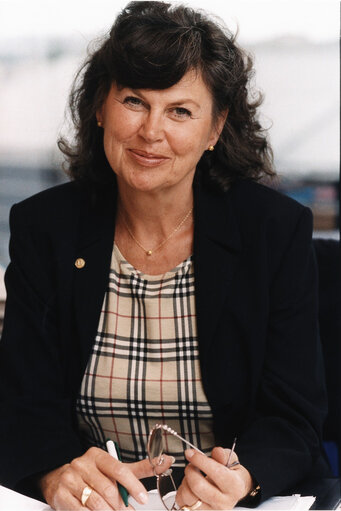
192, 82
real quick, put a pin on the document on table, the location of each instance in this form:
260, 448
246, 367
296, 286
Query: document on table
13, 501
290, 503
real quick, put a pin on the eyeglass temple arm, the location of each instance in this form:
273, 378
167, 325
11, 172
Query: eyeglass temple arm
183, 440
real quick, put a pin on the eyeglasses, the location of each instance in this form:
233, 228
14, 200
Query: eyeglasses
155, 448
164, 482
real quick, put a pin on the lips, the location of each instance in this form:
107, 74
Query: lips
147, 159
147, 155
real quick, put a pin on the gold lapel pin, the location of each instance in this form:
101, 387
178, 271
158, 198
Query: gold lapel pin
79, 263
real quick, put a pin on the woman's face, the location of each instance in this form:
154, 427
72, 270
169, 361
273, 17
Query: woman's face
153, 139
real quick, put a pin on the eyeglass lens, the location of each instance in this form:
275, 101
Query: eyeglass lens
165, 481
165, 485
155, 446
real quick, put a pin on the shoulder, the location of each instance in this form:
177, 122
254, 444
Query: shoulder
258, 215
255, 197
260, 207
49, 206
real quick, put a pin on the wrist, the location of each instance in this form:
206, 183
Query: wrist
48, 481
249, 483
252, 492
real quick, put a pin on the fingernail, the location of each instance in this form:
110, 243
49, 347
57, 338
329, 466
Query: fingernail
173, 459
189, 453
142, 497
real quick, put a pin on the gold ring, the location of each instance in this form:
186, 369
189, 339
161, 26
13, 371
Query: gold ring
194, 506
85, 495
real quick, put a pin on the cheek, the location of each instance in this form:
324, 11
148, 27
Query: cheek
192, 138
187, 141
121, 125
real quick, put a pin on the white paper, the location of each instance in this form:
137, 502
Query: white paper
12, 501
154, 501
290, 503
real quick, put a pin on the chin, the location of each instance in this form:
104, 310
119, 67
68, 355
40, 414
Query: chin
145, 186
144, 182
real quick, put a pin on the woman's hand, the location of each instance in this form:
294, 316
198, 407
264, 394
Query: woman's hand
222, 487
63, 487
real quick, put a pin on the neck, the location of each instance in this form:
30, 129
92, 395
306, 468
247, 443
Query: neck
155, 231
153, 213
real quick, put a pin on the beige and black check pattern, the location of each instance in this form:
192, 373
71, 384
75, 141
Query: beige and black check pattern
144, 366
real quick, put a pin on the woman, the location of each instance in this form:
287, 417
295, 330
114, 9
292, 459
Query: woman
163, 284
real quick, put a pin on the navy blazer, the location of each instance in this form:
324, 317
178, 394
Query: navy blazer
256, 304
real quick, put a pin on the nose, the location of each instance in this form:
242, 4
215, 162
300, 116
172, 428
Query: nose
151, 128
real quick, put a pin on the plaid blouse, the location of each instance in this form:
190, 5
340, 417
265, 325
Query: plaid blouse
144, 365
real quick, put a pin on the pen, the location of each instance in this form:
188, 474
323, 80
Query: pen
230, 455
114, 451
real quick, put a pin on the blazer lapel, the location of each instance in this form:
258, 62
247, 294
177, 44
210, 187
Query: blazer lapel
217, 244
95, 244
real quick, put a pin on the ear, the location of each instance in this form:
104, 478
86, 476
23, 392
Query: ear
100, 112
99, 116
218, 128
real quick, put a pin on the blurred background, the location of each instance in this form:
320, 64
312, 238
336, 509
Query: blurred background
296, 50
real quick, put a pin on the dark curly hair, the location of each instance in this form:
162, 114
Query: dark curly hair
152, 45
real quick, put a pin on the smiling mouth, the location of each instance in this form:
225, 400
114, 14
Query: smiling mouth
147, 159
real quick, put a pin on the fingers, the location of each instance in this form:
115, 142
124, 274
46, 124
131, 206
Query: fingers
222, 487
224, 456
128, 474
105, 474
184, 495
71, 486
244, 477
205, 490
143, 468
108, 471
61, 503
217, 472
99, 471
96, 469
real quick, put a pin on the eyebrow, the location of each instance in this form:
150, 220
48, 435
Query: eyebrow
179, 102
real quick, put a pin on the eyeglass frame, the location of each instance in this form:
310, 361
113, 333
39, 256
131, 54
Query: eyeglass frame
165, 429
168, 472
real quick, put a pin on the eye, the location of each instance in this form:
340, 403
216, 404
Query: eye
133, 101
182, 113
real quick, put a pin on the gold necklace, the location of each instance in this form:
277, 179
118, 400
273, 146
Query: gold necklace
150, 252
